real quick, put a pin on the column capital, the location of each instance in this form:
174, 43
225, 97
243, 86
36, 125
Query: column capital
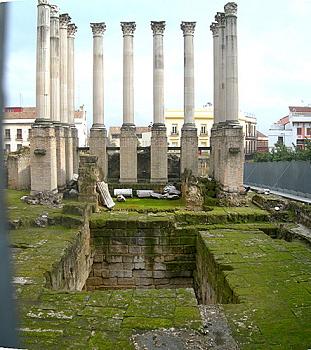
220, 19
54, 11
128, 28
158, 27
188, 28
214, 28
64, 20
98, 29
71, 30
231, 9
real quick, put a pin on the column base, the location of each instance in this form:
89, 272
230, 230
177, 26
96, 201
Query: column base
158, 154
98, 145
60, 156
75, 152
69, 152
189, 149
43, 169
128, 154
228, 156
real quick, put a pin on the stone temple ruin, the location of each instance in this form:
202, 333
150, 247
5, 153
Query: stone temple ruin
54, 153
151, 276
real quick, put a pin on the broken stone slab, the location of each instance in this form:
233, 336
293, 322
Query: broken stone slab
156, 195
104, 195
42, 220
121, 198
126, 192
144, 193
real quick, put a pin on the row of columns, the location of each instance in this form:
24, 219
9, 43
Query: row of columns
128, 139
227, 155
54, 138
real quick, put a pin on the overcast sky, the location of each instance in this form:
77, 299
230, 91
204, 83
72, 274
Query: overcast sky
273, 42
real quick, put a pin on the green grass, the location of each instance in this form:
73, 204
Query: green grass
149, 204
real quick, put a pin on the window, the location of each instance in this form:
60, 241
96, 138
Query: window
7, 134
174, 129
280, 140
19, 146
174, 144
115, 136
139, 136
309, 131
299, 131
19, 134
203, 129
8, 147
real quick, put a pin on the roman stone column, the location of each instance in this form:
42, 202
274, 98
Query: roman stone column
189, 137
128, 139
71, 31
232, 95
216, 43
64, 20
55, 98
215, 30
221, 55
42, 136
228, 140
98, 133
54, 61
158, 131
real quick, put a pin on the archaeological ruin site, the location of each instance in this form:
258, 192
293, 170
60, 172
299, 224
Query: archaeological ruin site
200, 263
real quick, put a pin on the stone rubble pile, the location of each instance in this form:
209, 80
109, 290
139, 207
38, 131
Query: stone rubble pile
47, 198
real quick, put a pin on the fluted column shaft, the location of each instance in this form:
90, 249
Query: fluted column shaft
128, 29
232, 95
220, 19
54, 41
43, 61
158, 72
64, 20
215, 30
188, 32
98, 30
71, 30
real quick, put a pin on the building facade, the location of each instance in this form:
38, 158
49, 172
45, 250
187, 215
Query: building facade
17, 123
204, 119
293, 129
143, 134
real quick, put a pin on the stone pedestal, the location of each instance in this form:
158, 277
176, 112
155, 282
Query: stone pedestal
128, 154
158, 154
43, 157
228, 156
189, 150
60, 156
75, 152
88, 176
98, 144
69, 153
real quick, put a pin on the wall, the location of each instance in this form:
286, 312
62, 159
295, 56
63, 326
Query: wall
18, 167
288, 177
140, 251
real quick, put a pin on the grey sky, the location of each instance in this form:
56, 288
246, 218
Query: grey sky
274, 54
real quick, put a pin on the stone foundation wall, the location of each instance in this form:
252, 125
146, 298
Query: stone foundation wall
209, 279
18, 166
75, 265
138, 251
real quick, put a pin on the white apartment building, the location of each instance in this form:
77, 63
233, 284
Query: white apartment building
17, 122
293, 129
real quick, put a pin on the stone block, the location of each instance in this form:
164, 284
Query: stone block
135, 249
139, 266
159, 266
158, 155
189, 150
118, 249
128, 154
159, 274
68, 153
43, 170
98, 145
139, 259
18, 166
